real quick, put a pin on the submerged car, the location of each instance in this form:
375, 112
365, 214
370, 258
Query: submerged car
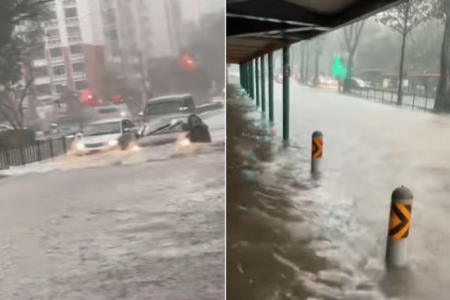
168, 114
106, 135
358, 84
165, 118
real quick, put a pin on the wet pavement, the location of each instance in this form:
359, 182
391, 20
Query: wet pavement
117, 227
325, 238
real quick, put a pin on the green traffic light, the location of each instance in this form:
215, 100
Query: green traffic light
339, 70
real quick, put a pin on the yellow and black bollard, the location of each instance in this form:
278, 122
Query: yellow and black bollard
317, 151
399, 223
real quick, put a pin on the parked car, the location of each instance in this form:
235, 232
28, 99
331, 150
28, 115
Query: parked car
5, 127
105, 135
358, 84
112, 111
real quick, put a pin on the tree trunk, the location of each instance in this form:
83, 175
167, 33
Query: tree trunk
307, 63
402, 56
302, 64
347, 81
316, 75
442, 103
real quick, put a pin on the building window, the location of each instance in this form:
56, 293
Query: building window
55, 52
51, 15
40, 72
80, 85
73, 31
112, 35
60, 88
78, 67
110, 16
43, 89
53, 34
75, 49
71, 12
59, 70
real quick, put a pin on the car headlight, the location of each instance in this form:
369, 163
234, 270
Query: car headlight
185, 142
113, 143
79, 146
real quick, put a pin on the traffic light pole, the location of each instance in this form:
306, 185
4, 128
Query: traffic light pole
144, 79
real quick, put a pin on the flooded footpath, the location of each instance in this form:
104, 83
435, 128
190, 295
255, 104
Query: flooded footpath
281, 240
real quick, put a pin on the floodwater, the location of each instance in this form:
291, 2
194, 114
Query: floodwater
144, 225
300, 237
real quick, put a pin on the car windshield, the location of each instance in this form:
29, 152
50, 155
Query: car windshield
102, 129
162, 108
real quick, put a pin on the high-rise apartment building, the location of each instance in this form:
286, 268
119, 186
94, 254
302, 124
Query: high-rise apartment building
138, 30
72, 52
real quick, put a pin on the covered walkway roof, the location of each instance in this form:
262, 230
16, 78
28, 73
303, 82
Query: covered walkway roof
256, 27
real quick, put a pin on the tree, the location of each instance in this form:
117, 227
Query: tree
442, 103
376, 46
424, 56
16, 72
14, 12
20, 34
403, 18
319, 51
352, 34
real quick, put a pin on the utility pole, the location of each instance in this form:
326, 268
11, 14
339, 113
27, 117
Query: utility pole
142, 57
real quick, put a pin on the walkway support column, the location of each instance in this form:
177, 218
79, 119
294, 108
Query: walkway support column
251, 80
257, 81
271, 87
263, 86
245, 75
241, 75
286, 75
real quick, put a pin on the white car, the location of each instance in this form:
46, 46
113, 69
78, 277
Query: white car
105, 135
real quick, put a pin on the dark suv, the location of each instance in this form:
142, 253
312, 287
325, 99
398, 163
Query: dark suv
167, 114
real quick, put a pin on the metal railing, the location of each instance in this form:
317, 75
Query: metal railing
35, 151
415, 100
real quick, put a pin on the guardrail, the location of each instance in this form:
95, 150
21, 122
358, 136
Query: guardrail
422, 101
35, 151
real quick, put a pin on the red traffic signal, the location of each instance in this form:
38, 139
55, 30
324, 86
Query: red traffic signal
89, 97
116, 98
187, 61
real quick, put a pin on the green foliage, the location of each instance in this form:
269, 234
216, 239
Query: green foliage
424, 49
24, 37
14, 13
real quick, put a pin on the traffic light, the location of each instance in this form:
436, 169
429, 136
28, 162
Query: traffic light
339, 71
188, 61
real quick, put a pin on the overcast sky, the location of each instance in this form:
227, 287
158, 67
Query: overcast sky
192, 9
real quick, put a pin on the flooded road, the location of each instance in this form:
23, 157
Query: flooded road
125, 227
333, 230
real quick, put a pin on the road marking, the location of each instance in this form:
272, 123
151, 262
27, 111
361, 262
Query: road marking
399, 220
